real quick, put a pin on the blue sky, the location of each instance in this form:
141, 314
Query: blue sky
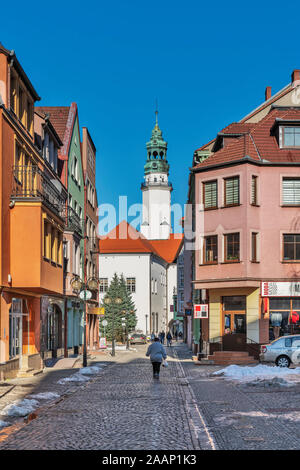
207, 64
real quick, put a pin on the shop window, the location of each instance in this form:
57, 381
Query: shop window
232, 248
234, 303
211, 249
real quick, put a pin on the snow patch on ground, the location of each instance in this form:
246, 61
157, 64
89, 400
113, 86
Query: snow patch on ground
90, 370
3, 424
45, 396
261, 375
20, 408
82, 375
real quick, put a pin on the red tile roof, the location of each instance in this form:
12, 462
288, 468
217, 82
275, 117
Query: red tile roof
125, 239
58, 117
258, 143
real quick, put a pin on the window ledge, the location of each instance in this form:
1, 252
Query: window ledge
255, 262
230, 262
231, 205
209, 264
290, 205
46, 259
255, 205
210, 208
291, 261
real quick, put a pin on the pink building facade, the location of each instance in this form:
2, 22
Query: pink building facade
247, 229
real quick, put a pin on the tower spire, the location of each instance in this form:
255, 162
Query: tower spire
156, 114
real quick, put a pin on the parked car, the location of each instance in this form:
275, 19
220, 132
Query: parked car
284, 351
138, 338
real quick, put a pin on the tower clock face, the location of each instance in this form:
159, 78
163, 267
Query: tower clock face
154, 165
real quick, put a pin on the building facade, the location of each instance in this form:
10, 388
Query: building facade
32, 225
246, 257
91, 247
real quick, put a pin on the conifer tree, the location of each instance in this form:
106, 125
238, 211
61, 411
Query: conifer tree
113, 311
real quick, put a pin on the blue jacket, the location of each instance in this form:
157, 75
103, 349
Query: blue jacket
157, 352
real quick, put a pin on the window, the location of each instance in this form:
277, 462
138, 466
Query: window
291, 191
254, 254
130, 284
13, 93
21, 106
232, 247
232, 191
47, 240
291, 247
211, 249
291, 136
210, 195
59, 248
103, 283
254, 190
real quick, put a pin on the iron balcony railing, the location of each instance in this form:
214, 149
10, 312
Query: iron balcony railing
29, 182
72, 219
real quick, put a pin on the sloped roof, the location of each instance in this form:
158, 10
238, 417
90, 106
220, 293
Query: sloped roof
126, 239
258, 143
58, 117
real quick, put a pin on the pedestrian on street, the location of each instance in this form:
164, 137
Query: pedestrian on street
176, 335
152, 336
162, 335
169, 339
157, 353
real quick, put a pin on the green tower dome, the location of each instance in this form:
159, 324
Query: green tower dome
156, 152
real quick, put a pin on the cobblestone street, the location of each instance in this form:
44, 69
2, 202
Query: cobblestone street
123, 408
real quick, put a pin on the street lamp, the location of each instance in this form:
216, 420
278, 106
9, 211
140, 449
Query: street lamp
117, 301
82, 288
124, 312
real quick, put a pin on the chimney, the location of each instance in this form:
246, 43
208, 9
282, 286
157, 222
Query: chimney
268, 93
295, 75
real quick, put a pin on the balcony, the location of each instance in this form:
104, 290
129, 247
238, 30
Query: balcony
29, 182
72, 219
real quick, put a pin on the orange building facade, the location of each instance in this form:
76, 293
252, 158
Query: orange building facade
32, 226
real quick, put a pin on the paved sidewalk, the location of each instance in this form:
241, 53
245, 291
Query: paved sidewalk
121, 408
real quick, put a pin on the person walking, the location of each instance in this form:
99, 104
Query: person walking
162, 335
152, 336
169, 339
157, 353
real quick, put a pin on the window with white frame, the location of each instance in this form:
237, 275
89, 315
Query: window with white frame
103, 284
291, 191
131, 284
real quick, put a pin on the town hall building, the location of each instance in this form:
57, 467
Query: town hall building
147, 258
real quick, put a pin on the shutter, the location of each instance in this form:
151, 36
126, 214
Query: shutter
254, 190
291, 191
210, 194
232, 191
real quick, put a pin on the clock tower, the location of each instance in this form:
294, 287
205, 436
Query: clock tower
156, 189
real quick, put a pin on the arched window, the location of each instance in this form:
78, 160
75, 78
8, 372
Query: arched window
155, 154
161, 155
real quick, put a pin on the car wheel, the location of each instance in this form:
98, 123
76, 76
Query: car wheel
283, 361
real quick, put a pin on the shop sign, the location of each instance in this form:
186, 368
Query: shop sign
188, 311
96, 310
280, 289
102, 343
201, 311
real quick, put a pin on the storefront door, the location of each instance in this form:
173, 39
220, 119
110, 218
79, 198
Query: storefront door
234, 323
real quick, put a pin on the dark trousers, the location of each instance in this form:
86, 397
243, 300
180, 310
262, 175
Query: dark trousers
156, 367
